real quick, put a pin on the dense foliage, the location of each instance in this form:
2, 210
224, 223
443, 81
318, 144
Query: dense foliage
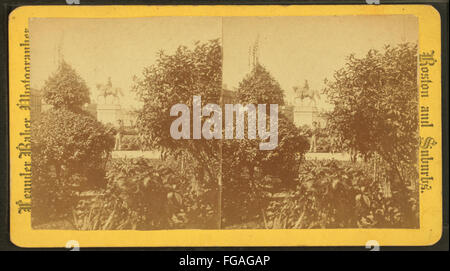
70, 147
147, 194
246, 170
259, 87
146, 191
175, 79
333, 194
66, 89
232, 183
375, 112
69, 155
375, 102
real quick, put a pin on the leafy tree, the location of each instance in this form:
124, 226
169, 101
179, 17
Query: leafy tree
284, 160
375, 111
375, 102
70, 147
66, 89
248, 171
175, 79
70, 151
71, 142
259, 87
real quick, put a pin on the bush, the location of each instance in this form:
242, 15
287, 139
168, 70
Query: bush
199, 192
250, 174
144, 193
69, 155
375, 106
66, 89
333, 194
244, 198
147, 194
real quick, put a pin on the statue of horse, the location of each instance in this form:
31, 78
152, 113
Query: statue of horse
106, 90
306, 92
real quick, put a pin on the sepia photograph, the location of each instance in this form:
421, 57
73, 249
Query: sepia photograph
287, 122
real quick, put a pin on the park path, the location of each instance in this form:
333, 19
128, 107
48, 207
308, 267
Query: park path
340, 156
156, 155
136, 154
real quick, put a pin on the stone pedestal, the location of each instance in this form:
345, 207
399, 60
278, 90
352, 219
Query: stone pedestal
108, 113
304, 116
305, 113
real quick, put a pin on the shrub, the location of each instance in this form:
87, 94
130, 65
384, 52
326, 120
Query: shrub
145, 193
333, 194
66, 89
250, 174
244, 198
70, 148
69, 154
148, 194
200, 194
375, 106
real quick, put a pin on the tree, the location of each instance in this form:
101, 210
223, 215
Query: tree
70, 147
71, 143
175, 79
66, 89
284, 161
246, 168
70, 151
375, 111
375, 102
259, 87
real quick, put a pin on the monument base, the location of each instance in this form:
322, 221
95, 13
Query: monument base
108, 113
306, 115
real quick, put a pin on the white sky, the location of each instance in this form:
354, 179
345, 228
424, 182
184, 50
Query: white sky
295, 49
119, 48
292, 48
